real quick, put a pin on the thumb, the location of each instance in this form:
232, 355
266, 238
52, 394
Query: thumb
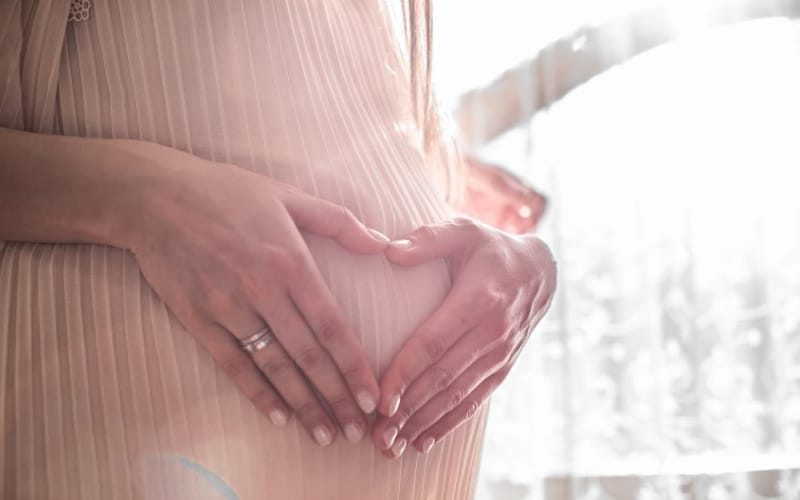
432, 241
323, 218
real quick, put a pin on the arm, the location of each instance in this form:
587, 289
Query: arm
67, 189
221, 246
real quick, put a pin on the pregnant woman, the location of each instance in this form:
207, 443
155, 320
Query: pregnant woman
197, 299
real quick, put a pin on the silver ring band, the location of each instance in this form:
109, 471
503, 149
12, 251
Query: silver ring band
257, 341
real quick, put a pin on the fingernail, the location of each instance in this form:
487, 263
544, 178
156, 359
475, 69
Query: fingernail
399, 447
378, 235
394, 404
353, 432
389, 435
525, 211
278, 418
401, 244
365, 402
427, 445
322, 435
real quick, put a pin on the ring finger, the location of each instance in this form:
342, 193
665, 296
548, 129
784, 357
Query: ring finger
312, 362
271, 358
277, 367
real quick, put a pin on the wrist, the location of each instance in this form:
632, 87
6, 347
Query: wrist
140, 173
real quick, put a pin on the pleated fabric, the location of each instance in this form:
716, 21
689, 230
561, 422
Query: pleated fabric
104, 394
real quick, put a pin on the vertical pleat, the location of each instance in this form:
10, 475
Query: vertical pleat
10, 57
104, 394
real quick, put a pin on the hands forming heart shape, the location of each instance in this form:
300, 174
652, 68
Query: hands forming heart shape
502, 286
223, 292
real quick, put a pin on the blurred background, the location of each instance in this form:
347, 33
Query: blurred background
665, 135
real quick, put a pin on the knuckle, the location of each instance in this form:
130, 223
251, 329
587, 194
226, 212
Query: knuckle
220, 302
412, 429
308, 411
264, 398
343, 216
235, 366
472, 409
256, 281
433, 346
463, 221
352, 372
277, 368
477, 352
311, 358
507, 348
329, 330
340, 404
288, 261
403, 415
494, 301
442, 378
466, 224
350, 218
456, 397
195, 315
427, 233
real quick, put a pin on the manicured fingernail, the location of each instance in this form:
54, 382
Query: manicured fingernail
365, 402
427, 445
389, 435
378, 235
278, 418
403, 244
394, 404
353, 432
399, 447
322, 435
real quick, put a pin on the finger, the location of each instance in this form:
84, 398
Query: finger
324, 218
463, 412
295, 336
459, 313
449, 399
433, 241
516, 220
229, 356
438, 378
317, 305
284, 375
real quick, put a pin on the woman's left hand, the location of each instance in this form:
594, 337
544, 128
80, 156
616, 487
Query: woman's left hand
502, 286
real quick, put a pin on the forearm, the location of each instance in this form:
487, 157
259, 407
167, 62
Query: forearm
71, 189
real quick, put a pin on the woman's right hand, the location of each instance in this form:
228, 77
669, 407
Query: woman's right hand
222, 248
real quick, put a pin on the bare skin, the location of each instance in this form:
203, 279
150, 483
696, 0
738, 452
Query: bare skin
501, 199
179, 215
222, 246
502, 286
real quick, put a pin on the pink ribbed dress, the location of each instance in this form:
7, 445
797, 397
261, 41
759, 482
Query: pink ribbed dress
103, 394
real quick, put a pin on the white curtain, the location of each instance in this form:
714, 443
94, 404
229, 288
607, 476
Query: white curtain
669, 364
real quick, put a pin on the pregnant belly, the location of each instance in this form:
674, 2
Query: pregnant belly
383, 302
383, 182
107, 387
